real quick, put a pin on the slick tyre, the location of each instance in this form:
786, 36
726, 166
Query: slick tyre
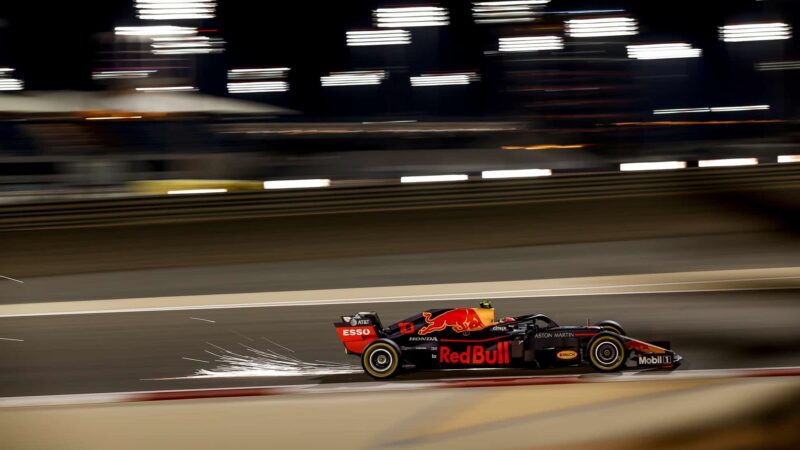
381, 360
614, 327
606, 353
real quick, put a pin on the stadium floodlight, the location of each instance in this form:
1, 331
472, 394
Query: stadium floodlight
158, 30
506, 11
251, 87
443, 79
530, 43
519, 173
658, 165
175, 9
297, 184
354, 78
608, 26
755, 32
732, 162
434, 178
256, 74
663, 51
364, 38
11, 84
411, 16
7, 83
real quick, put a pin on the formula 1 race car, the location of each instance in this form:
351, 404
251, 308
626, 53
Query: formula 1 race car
470, 337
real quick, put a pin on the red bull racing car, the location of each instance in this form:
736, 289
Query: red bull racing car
470, 337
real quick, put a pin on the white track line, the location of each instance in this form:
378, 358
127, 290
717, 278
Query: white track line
363, 300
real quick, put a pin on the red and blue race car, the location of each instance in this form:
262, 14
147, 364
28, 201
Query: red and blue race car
470, 337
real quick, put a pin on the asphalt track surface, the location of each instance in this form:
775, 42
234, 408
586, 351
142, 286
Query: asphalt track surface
159, 350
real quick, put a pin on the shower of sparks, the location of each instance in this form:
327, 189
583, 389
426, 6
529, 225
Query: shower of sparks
201, 319
254, 362
12, 279
192, 359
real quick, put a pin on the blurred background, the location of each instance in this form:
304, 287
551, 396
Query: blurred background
128, 91
192, 191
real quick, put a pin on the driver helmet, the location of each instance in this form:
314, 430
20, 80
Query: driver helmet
486, 304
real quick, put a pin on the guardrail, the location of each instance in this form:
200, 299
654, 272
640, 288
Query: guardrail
208, 207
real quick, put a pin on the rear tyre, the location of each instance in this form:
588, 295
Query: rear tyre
381, 360
606, 353
614, 327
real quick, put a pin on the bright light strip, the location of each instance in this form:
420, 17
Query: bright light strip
506, 11
257, 86
443, 79
175, 9
187, 51
186, 45
166, 88
663, 51
433, 178
716, 109
788, 158
196, 191
11, 84
122, 74
523, 173
728, 162
357, 78
113, 117
251, 74
530, 43
661, 165
681, 110
175, 16
164, 30
755, 32
297, 184
609, 26
198, 42
413, 16
778, 65
378, 37
739, 108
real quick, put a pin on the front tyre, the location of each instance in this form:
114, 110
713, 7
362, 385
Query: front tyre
381, 360
606, 353
614, 327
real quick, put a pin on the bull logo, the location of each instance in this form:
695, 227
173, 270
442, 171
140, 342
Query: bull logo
461, 320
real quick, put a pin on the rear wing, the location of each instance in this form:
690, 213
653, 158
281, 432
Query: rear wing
358, 330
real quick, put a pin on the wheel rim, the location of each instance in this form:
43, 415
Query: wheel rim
380, 360
606, 353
